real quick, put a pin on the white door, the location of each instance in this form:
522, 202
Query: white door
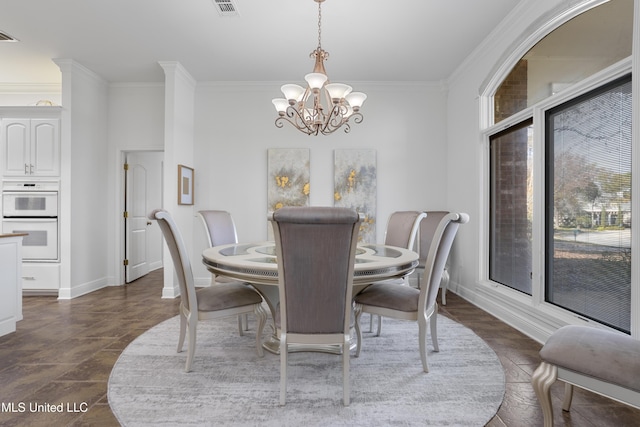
143, 183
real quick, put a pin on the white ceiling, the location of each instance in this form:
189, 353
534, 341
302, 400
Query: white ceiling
270, 40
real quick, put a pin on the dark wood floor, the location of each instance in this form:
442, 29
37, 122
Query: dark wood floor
63, 352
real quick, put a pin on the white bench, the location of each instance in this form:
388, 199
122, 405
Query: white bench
604, 362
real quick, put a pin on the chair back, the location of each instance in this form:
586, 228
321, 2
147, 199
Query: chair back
441, 243
220, 227
315, 247
402, 228
179, 255
428, 227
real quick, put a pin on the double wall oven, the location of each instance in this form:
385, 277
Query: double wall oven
32, 208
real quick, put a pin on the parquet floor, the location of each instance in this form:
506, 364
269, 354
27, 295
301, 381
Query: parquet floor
63, 353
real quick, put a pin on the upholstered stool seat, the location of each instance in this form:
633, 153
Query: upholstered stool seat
605, 362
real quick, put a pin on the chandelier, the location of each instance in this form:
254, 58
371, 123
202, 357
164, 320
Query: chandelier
321, 107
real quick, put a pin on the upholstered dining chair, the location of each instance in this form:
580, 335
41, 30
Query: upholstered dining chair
407, 302
402, 228
428, 227
221, 230
222, 300
315, 247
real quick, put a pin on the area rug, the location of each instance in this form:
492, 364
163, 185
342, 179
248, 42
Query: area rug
231, 386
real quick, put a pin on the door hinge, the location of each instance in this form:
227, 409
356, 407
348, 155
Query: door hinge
126, 166
125, 214
125, 262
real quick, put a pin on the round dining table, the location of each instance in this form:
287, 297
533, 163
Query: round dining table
256, 263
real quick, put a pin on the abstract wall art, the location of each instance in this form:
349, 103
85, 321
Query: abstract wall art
355, 186
288, 179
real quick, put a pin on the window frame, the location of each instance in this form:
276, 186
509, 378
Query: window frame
535, 305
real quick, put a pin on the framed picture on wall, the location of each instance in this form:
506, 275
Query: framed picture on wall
185, 185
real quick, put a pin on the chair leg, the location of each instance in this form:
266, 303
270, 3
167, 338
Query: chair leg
240, 325
433, 321
191, 344
444, 282
261, 315
346, 392
422, 341
542, 379
283, 369
358, 313
379, 326
183, 331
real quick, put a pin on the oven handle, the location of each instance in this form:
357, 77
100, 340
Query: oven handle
26, 193
29, 219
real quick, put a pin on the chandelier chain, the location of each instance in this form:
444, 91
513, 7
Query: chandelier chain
319, 24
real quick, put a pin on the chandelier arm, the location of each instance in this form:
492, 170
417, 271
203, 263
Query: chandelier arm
279, 124
296, 119
333, 121
328, 131
357, 118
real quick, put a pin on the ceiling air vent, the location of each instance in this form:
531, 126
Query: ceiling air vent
4, 37
226, 7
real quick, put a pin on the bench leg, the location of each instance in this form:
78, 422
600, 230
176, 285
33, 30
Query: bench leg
568, 397
542, 379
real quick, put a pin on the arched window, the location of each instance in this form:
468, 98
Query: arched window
568, 97
581, 47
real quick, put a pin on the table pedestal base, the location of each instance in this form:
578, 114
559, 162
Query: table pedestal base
272, 345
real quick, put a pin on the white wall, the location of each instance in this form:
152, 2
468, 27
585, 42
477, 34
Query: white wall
136, 123
234, 128
12, 95
83, 213
178, 150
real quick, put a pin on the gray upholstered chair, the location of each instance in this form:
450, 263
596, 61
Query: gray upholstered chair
407, 302
428, 226
315, 247
402, 228
225, 299
221, 230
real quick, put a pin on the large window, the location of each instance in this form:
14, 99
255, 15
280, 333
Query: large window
588, 194
561, 236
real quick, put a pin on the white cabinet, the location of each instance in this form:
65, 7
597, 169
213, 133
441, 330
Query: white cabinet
30, 147
40, 278
10, 282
